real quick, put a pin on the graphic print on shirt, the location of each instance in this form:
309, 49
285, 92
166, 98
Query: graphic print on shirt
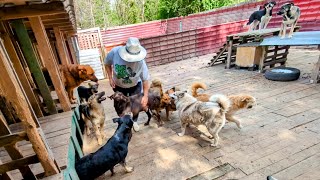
123, 72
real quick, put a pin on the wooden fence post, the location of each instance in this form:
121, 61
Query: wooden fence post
49, 61
32, 61
60, 46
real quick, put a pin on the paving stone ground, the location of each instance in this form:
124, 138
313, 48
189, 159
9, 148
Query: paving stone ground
281, 135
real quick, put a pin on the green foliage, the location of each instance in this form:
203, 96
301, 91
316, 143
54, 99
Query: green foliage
108, 13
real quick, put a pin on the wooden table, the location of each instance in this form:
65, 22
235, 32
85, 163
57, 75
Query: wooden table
298, 39
227, 54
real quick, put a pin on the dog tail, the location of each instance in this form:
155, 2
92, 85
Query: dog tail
156, 83
222, 100
195, 86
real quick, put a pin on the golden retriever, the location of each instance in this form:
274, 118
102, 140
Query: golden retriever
73, 75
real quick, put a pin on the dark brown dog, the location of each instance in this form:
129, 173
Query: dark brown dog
171, 106
165, 100
73, 75
123, 104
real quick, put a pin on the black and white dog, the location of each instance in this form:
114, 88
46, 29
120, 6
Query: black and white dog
262, 16
112, 153
291, 15
84, 92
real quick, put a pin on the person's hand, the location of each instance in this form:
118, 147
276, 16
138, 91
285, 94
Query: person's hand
144, 102
112, 83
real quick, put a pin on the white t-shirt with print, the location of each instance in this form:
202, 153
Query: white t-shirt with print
126, 74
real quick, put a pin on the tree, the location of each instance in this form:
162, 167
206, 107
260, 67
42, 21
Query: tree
108, 13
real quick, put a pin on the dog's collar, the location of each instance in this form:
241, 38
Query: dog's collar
189, 105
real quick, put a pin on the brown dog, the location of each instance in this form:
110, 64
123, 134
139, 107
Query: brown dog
123, 104
73, 75
240, 101
172, 105
165, 100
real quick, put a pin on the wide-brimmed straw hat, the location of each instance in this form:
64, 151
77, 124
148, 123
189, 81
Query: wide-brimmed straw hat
132, 51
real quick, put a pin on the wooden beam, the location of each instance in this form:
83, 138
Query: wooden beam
12, 138
5, 176
13, 151
54, 17
49, 61
19, 163
56, 21
72, 50
20, 70
10, 84
60, 46
30, 56
18, 12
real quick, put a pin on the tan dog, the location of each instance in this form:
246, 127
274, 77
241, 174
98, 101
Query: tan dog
165, 100
211, 114
201, 97
240, 101
73, 75
92, 113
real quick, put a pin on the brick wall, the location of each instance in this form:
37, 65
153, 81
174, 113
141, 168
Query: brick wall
170, 47
183, 45
121, 34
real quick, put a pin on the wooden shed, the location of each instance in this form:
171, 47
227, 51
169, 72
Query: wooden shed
39, 133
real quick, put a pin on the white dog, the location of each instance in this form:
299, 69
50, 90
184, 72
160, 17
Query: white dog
211, 114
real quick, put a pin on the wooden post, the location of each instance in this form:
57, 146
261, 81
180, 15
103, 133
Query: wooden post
10, 85
49, 61
20, 71
230, 44
72, 51
60, 46
263, 55
29, 53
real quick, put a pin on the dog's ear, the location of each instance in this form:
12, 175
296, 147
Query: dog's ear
116, 120
244, 99
265, 5
82, 69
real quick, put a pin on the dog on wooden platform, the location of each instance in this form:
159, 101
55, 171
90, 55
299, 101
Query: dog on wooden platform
291, 15
112, 153
92, 113
85, 93
73, 75
211, 113
239, 101
261, 17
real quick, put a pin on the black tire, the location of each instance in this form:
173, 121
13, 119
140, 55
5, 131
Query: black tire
282, 74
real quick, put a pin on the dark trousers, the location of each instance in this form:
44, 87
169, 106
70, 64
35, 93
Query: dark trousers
129, 91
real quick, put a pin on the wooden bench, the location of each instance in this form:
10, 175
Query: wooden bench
64, 138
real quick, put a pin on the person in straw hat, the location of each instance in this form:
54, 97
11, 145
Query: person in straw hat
127, 70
